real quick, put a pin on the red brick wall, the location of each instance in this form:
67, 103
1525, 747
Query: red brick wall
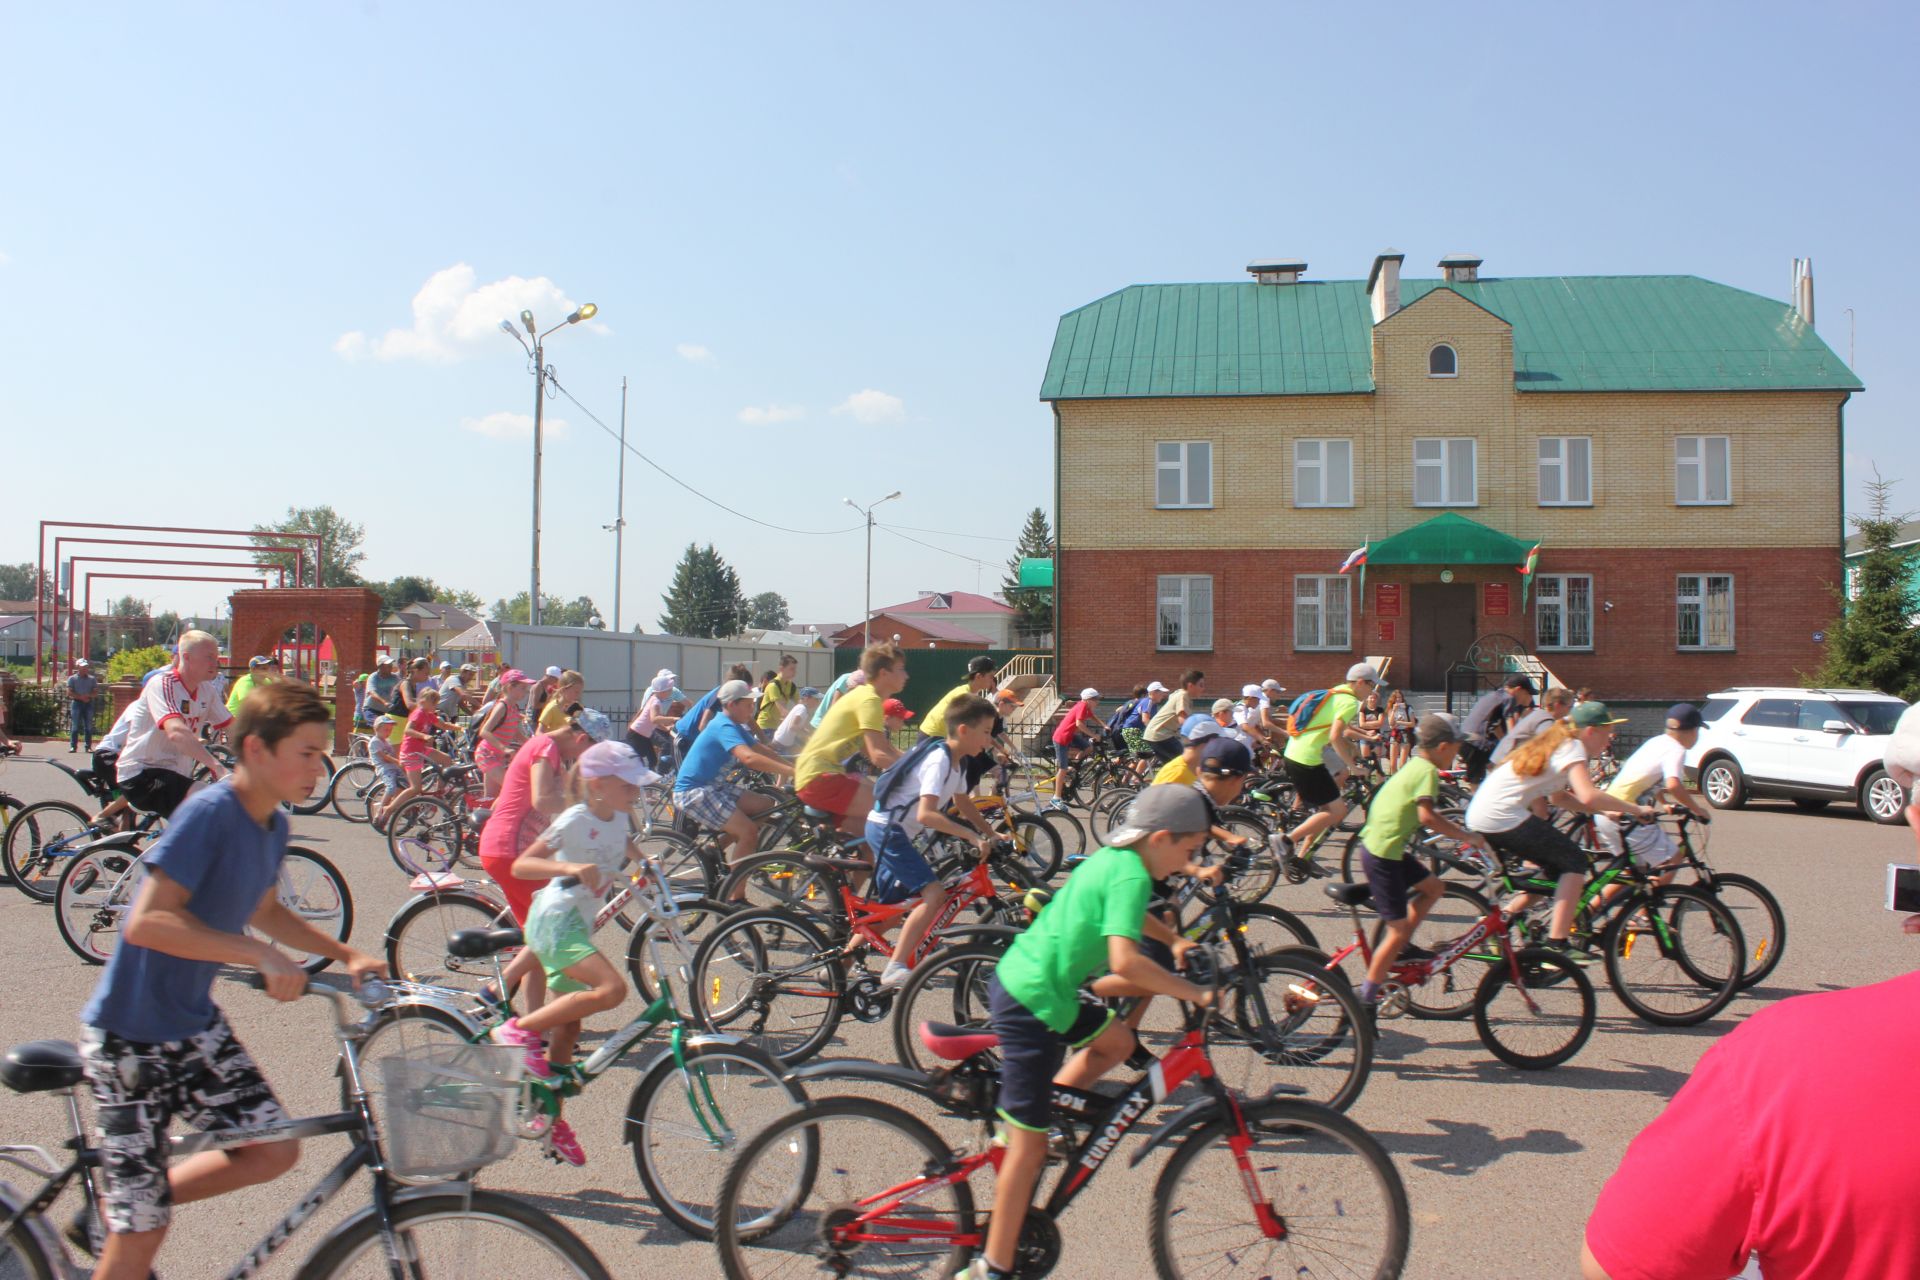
1781, 597
347, 615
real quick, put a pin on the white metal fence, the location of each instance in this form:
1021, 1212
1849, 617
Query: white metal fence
618, 665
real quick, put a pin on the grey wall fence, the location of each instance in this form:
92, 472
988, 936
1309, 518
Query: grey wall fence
618, 665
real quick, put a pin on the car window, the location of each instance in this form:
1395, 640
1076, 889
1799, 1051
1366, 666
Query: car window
1716, 707
1815, 712
1875, 715
1773, 713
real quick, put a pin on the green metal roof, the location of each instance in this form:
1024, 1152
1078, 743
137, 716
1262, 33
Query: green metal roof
1448, 538
1570, 333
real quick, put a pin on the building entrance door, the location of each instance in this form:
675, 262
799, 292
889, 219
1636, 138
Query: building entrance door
1441, 633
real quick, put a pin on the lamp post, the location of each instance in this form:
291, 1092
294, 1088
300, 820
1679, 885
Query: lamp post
538, 353
866, 625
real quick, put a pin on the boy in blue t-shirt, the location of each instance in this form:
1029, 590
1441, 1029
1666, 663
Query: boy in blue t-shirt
154, 1045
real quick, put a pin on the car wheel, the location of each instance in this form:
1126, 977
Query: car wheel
1810, 804
1725, 785
1883, 799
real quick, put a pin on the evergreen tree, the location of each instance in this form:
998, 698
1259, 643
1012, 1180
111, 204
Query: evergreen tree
1033, 606
704, 598
1874, 643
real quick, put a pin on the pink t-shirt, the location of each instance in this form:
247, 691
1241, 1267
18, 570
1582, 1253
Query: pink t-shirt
1081, 713
1796, 1139
513, 807
424, 721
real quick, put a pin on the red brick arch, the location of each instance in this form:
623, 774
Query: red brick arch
347, 615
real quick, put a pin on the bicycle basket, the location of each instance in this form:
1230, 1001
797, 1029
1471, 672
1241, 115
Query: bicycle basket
450, 1108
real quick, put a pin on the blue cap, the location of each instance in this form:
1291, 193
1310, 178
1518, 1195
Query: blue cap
1684, 715
809, 692
1225, 755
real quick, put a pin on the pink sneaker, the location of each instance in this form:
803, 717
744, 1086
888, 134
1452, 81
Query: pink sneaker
509, 1033
565, 1145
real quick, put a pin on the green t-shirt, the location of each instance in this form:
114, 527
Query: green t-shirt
935, 724
776, 692
1395, 813
241, 688
840, 735
1306, 746
1105, 897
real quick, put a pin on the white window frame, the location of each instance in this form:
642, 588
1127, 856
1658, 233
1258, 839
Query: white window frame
1692, 486
1553, 594
1191, 595
1181, 467
1455, 351
1697, 595
1320, 465
1324, 638
1560, 464
1444, 464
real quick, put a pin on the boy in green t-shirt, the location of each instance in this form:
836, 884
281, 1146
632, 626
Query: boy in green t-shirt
1402, 807
1093, 925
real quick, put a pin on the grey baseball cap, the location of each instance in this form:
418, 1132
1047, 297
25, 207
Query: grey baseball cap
1437, 728
1170, 806
733, 691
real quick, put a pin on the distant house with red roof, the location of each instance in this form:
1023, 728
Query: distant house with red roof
988, 622
916, 631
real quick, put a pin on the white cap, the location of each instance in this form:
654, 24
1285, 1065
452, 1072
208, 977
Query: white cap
732, 691
1249, 690
661, 683
1222, 704
1089, 693
555, 672
1157, 687
445, 665
1273, 686
668, 676
82, 662
1363, 671
615, 760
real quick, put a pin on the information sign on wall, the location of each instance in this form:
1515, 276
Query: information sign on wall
1499, 599
1386, 599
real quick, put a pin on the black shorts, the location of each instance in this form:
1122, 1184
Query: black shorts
642, 746
1031, 1053
1392, 881
157, 790
105, 767
1475, 757
1540, 842
1312, 783
1165, 749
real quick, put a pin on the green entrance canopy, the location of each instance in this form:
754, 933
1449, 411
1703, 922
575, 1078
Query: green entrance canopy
1449, 538
1036, 572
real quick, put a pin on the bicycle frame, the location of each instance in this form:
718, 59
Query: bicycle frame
1495, 924
866, 919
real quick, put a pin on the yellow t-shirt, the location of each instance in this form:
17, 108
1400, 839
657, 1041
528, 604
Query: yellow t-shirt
1176, 770
935, 725
776, 692
553, 716
839, 735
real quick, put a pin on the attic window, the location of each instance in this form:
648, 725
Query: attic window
939, 602
1442, 362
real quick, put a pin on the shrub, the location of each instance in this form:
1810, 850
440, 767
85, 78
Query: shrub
39, 711
131, 664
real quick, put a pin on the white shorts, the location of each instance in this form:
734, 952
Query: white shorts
1651, 845
1903, 765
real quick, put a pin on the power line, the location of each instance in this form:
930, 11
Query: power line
951, 533
929, 546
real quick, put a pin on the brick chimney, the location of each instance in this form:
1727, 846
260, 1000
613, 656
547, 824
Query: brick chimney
1277, 270
1803, 290
1460, 268
1383, 284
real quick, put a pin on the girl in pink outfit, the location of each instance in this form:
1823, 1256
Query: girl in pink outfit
503, 727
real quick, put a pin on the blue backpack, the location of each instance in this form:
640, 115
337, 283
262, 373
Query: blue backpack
1302, 710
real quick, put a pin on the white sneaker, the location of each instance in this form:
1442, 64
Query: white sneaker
895, 975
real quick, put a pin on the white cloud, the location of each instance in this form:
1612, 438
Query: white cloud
759, 415
872, 406
5, 257
514, 426
453, 317
693, 353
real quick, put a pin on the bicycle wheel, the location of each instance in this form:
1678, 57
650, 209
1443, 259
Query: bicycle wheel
1068, 830
416, 943
347, 793
313, 889
687, 872
1762, 923
696, 917
1675, 958
1037, 844
1448, 995
1104, 815
38, 839
1289, 1022
685, 1124
464, 1235
318, 798
771, 978
95, 893
948, 986
1322, 1178
402, 1030
1542, 1024
21, 1257
779, 880
1266, 928
425, 835
1258, 869
799, 1179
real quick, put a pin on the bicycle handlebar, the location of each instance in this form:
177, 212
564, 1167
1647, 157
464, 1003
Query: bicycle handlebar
371, 994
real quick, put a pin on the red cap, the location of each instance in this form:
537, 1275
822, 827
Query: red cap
897, 709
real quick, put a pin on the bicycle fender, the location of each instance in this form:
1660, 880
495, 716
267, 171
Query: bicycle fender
396, 1196
995, 933
1190, 1116
865, 1070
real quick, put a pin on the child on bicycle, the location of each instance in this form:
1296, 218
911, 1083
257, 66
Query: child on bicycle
1403, 806
416, 748
591, 842
1094, 923
154, 1045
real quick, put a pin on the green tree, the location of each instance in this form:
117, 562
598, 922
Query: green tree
769, 610
408, 588
341, 542
1874, 644
166, 627
554, 612
1032, 606
468, 601
704, 598
17, 581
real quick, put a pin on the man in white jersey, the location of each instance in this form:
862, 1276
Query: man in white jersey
156, 766
1653, 774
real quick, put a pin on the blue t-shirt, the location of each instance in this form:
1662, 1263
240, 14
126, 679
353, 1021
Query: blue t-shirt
687, 727
226, 861
1138, 711
712, 751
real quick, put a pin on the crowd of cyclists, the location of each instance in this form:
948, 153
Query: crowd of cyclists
826, 826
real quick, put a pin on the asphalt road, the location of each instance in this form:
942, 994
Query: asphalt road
1501, 1166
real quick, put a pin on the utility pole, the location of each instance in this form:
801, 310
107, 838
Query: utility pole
539, 401
866, 622
620, 506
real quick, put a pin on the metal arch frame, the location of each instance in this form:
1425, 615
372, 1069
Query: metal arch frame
60, 611
86, 625
86, 617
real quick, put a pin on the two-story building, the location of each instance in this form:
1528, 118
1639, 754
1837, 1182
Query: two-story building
1670, 445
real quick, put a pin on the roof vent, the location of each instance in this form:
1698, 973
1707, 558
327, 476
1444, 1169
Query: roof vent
1277, 270
1460, 268
1383, 284
1803, 289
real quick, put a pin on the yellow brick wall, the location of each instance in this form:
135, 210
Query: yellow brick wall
1785, 455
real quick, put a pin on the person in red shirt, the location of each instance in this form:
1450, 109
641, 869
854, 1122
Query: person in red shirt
1069, 740
1807, 1159
416, 748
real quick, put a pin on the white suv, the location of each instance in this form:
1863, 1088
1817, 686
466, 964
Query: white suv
1813, 746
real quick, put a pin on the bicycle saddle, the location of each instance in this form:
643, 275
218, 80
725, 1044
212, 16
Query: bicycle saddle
956, 1043
41, 1065
472, 944
1349, 895
818, 815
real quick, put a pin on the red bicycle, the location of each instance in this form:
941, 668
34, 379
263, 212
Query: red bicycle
1280, 1186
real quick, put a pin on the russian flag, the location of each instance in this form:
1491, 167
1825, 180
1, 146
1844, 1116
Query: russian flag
1355, 558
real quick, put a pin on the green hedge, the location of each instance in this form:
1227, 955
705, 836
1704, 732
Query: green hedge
38, 711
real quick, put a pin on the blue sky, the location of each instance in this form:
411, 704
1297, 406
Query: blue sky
830, 242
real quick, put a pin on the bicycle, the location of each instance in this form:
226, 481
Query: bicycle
1275, 1185
457, 1108
689, 1105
